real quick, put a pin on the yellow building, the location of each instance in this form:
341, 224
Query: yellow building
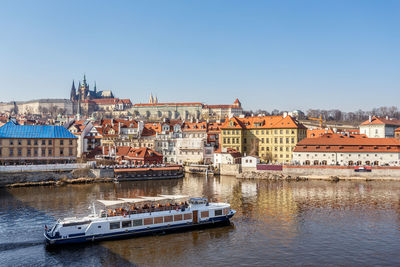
272, 138
20, 144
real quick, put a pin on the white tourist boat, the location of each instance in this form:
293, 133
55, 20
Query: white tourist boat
139, 216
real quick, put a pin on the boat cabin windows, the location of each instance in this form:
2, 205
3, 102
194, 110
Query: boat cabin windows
217, 212
158, 220
187, 216
178, 217
126, 224
148, 221
114, 225
75, 223
168, 218
205, 214
137, 222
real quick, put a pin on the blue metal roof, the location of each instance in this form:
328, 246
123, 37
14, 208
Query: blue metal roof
13, 130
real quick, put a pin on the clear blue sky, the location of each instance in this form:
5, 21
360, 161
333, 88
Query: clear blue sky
269, 54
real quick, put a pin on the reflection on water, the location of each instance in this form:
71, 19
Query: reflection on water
277, 223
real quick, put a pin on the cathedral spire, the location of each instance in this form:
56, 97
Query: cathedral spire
73, 91
95, 88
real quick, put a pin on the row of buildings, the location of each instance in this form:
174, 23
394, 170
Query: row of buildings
271, 139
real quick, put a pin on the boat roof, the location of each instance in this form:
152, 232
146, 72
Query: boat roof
174, 196
132, 200
140, 199
111, 202
154, 198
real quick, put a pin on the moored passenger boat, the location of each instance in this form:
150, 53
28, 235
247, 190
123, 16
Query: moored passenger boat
139, 216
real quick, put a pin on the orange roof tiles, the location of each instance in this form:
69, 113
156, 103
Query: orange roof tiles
317, 132
168, 104
379, 120
266, 122
352, 143
194, 126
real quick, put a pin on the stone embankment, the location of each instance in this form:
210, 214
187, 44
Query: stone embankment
270, 176
38, 178
82, 180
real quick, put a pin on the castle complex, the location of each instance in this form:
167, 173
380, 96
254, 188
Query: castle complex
84, 93
84, 101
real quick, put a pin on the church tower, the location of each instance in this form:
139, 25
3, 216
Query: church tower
73, 92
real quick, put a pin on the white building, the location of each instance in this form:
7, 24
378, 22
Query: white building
228, 156
250, 161
336, 149
81, 130
166, 141
376, 127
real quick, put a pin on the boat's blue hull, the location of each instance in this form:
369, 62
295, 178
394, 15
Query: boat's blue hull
135, 233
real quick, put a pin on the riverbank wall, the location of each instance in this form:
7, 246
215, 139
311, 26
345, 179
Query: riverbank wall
323, 173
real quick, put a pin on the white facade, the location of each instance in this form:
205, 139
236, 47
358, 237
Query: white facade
377, 130
223, 158
250, 161
190, 150
347, 159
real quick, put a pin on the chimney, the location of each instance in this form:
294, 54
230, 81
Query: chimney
370, 118
285, 114
387, 117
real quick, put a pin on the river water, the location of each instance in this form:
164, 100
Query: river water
308, 223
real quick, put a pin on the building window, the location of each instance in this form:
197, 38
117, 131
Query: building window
50, 152
262, 140
11, 152
244, 140
43, 142
50, 142
19, 142
70, 142
43, 152
11, 142
292, 140
61, 142
35, 142
28, 152
281, 131
29, 142
280, 140
287, 140
35, 152
19, 152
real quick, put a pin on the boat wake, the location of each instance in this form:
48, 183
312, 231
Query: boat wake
18, 245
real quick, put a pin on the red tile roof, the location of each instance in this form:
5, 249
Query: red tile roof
106, 101
233, 152
379, 120
352, 143
133, 153
317, 132
194, 126
266, 122
168, 104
